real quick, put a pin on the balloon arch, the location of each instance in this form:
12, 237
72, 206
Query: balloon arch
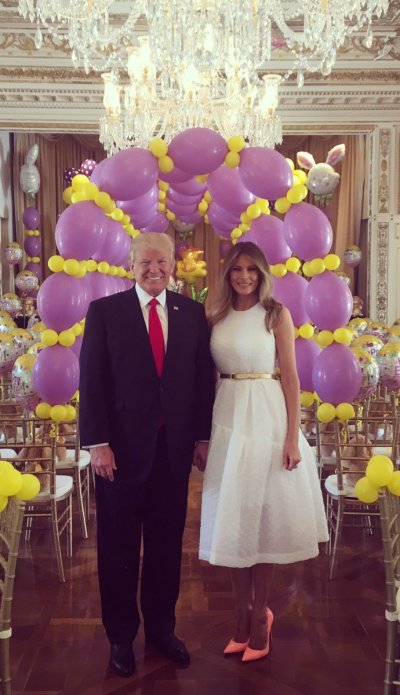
198, 175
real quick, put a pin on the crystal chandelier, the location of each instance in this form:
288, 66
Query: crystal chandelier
172, 64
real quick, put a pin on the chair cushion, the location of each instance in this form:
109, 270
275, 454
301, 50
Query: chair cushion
64, 485
69, 461
332, 488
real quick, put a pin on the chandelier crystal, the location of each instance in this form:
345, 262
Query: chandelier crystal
173, 64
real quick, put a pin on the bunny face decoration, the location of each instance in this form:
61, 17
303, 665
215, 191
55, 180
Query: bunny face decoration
322, 178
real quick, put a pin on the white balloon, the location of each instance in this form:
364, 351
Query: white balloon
29, 177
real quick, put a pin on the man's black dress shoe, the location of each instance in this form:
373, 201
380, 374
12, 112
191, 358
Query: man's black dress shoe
172, 647
122, 659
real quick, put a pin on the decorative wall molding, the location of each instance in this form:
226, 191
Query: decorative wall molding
382, 272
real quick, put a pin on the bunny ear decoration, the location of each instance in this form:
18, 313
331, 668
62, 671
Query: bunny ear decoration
336, 154
305, 160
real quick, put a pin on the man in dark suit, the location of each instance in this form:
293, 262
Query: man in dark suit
146, 394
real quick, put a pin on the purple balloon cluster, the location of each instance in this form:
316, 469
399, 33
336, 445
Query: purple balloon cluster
32, 244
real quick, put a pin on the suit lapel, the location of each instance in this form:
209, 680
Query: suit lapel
135, 331
175, 322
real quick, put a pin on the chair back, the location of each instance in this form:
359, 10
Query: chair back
10, 532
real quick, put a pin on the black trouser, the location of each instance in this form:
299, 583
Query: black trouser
125, 511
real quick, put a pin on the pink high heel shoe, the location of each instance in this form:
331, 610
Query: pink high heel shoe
235, 647
254, 654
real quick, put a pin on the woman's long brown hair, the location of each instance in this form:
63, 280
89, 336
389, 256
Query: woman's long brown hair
226, 297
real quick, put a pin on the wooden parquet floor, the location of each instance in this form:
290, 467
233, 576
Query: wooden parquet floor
328, 637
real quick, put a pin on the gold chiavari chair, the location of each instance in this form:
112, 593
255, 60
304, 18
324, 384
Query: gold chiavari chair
356, 441
36, 444
10, 532
389, 507
72, 460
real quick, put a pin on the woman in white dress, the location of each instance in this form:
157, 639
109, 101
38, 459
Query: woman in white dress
262, 502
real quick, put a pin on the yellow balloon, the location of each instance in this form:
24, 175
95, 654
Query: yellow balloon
158, 147
162, 196
379, 470
295, 195
306, 330
307, 269
325, 338
170, 216
332, 261
282, 205
203, 206
345, 411
70, 412
300, 175
290, 162
306, 399
117, 214
56, 263
78, 196
278, 270
163, 186
394, 484
326, 412
67, 196
71, 266
244, 228
49, 337
263, 204
232, 160
91, 265
66, 338
6, 466
296, 332
79, 182
236, 233
366, 492
317, 266
236, 143
343, 336
30, 487
3, 503
293, 264
43, 410
161, 207
58, 413
102, 199
10, 482
253, 211
103, 267
165, 164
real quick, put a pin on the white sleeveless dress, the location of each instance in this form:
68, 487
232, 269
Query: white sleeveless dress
253, 509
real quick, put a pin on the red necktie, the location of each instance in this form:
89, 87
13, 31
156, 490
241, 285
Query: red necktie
156, 336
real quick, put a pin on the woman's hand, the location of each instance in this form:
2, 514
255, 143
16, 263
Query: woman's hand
291, 455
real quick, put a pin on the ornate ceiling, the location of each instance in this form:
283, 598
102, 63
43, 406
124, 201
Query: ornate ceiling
40, 90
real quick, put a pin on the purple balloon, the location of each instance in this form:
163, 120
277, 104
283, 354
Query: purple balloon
80, 230
291, 292
31, 218
144, 218
97, 172
35, 268
140, 204
55, 374
159, 223
265, 172
227, 190
182, 198
113, 243
179, 209
87, 167
76, 347
198, 150
101, 285
128, 283
33, 245
190, 187
328, 301
221, 218
224, 247
191, 218
307, 231
129, 173
306, 353
175, 176
63, 300
336, 374
267, 232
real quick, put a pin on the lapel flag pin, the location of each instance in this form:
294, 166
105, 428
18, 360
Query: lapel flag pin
176, 308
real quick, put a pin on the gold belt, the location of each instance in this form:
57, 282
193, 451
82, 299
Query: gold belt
249, 375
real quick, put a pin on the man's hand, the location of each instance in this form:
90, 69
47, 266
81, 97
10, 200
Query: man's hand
200, 455
102, 460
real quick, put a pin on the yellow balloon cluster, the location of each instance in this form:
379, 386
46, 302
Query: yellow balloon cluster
159, 149
32, 232
66, 338
318, 265
33, 259
70, 266
326, 412
297, 193
379, 473
24, 486
235, 144
259, 207
292, 265
344, 336
58, 413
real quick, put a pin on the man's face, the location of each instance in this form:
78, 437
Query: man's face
152, 269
